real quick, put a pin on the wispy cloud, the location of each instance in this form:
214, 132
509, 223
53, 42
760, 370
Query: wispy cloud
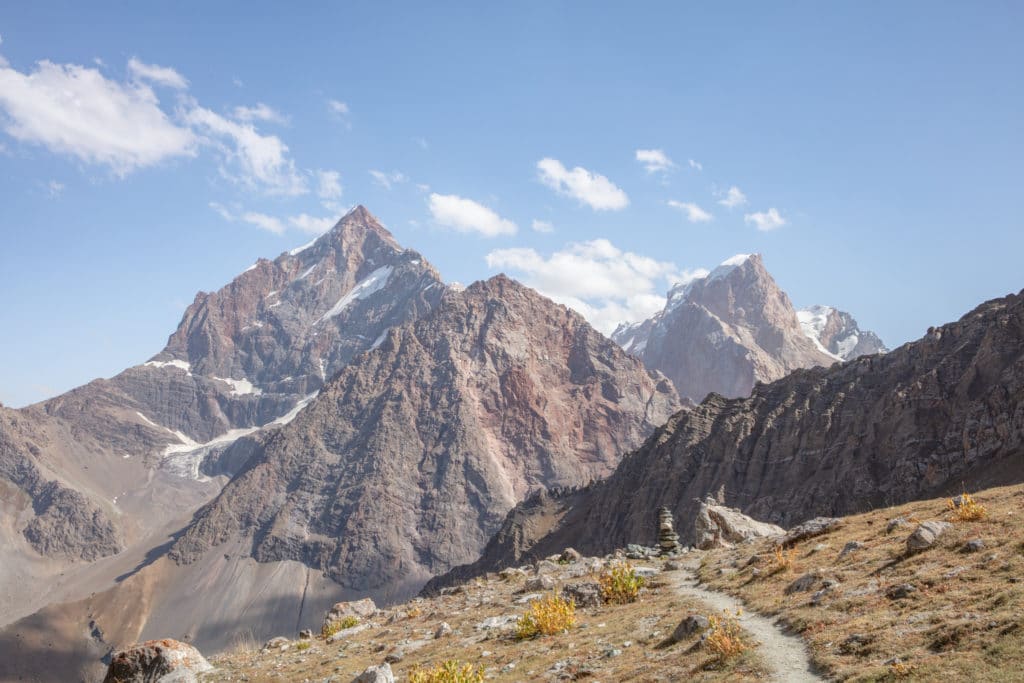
654, 160
542, 226
255, 160
592, 189
311, 224
260, 112
55, 188
160, 75
264, 222
466, 215
387, 180
341, 111
602, 282
77, 111
733, 198
696, 165
694, 213
765, 220
328, 185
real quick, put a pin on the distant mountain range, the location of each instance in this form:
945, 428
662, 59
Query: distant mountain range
725, 332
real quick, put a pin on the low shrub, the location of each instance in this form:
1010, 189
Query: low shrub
725, 637
782, 560
303, 645
620, 584
450, 671
966, 509
546, 617
332, 627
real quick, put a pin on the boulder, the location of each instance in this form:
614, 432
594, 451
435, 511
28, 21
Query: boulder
691, 625
157, 660
361, 609
717, 526
376, 674
570, 555
810, 529
586, 594
926, 535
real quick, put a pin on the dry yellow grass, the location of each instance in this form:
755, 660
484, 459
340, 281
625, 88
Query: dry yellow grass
620, 584
623, 643
546, 617
449, 671
963, 618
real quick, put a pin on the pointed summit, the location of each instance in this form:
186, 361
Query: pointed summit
724, 332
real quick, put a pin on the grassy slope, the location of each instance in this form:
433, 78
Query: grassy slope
963, 622
637, 631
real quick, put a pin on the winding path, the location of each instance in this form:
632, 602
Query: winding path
785, 654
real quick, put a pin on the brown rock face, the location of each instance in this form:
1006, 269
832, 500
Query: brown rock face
153, 660
409, 459
933, 415
724, 333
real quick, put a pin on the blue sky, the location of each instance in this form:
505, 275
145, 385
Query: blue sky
149, 151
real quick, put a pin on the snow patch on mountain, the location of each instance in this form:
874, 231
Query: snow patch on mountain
180, 364
371, 284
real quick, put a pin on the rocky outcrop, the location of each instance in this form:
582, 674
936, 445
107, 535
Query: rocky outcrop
837, 333
62, 522
929, 417
724, 333
157, 660
718, 526
408, 460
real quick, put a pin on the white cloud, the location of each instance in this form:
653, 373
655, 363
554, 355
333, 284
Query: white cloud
75, 110
160, 75
696, 165
733, 197
261, 112
422, 142
55, 188
694, 213
386, 180
542, 226
591, 189
654, 160
465, 215
765, 220
222, 211
600, 281
265, 222
339, 108
262, 160
311, 224
328, 185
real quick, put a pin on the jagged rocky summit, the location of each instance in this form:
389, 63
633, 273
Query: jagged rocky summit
724, 333
836, 332
927, 419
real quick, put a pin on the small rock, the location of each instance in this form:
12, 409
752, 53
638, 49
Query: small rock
376, 674
278, 643
511, 573
900, 591
612, 652
545, 567
818, 547
694, 623
508, 668
926, 535
570, 555
804, 583
305, 634
954, 572
496, 622
361, 609
586, 594
852, 546
443, 629
854, 643
974, 545
815, 527
395, 656
896, 523
540, 583
673, 566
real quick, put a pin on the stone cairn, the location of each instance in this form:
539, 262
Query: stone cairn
668, 539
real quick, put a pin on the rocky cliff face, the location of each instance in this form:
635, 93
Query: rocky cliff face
409, 459
723, 333
243, 359
837, 333
926, 419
